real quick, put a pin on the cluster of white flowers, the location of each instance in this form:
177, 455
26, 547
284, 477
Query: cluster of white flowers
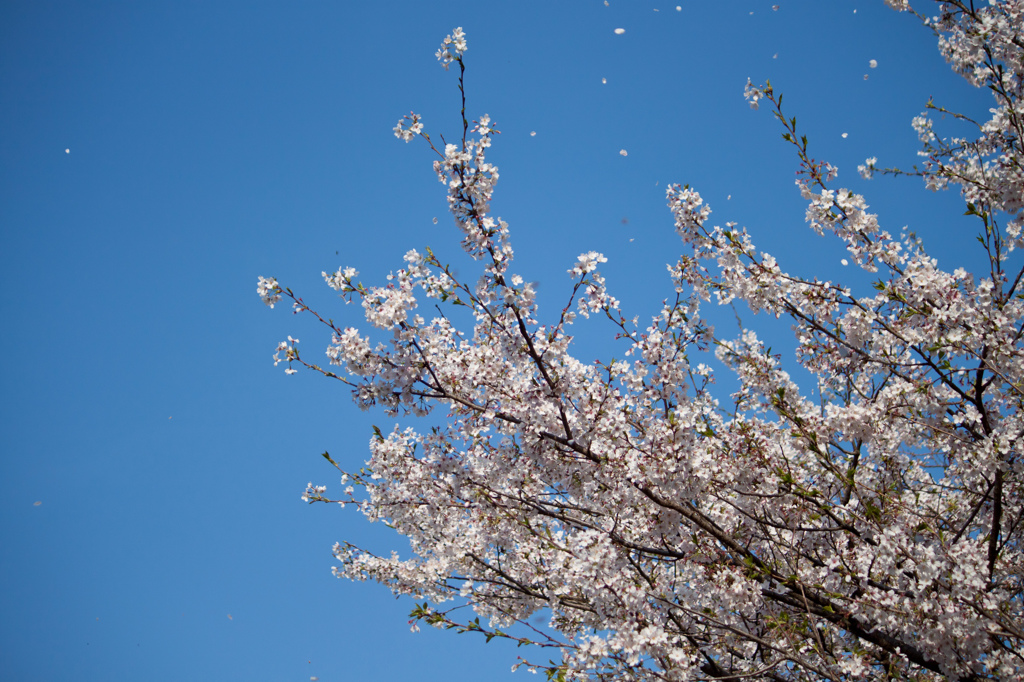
341, 280
587, 263
452, 49
290, 353
595, 296
867, 169
268, 290
984, 45
923, 125
689, 210
409, 127
471, 180
313, 492
870, 528
753, 94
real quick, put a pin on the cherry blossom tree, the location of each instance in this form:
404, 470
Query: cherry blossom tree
870, 528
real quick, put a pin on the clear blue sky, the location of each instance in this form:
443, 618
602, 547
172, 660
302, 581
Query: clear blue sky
155, 158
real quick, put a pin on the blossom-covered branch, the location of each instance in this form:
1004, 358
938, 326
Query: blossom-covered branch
868, 529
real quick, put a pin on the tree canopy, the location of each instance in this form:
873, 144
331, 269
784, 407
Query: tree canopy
866, 527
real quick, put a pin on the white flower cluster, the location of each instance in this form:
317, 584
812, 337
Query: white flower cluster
587, 263
409, 127
341, 280
471, 180
689, 210
867, 169
753, 94
290, 353
984, 45
313, 492
595, 295
452, 49
269, 290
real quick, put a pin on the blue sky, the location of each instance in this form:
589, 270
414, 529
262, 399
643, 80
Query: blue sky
155, 158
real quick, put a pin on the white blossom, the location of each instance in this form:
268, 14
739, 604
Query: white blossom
452, 48
269, 290
752, 94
